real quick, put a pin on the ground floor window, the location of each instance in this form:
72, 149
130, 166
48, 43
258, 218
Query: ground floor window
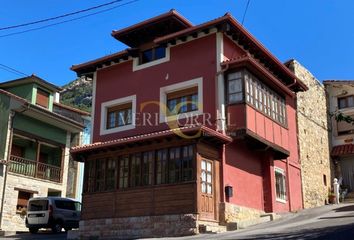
22, 201
162, 166
280, 184
206, 176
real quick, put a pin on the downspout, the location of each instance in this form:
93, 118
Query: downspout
223, 124
11, 123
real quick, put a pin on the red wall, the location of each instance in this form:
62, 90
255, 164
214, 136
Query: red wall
187, 61
253, 174
243, 171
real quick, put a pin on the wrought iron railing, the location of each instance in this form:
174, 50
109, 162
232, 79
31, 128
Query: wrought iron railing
35, 169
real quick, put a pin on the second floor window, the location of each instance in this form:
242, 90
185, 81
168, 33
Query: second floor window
120, 115
152, 54
346, 102
182, 101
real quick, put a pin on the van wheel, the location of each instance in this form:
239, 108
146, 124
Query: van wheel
33, 230
56, 228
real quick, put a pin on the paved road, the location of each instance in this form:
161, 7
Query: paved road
328, 222
39, 235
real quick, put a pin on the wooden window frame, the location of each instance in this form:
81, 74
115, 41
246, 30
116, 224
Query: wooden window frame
188, 94
282, 195
126, 109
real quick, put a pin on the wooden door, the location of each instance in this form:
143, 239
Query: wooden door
207, 189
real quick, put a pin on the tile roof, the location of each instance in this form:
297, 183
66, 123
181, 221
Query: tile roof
39, 108
187, 129
341, 150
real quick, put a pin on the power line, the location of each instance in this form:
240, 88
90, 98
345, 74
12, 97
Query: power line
12, 70
70, 20
244, 14
60, 16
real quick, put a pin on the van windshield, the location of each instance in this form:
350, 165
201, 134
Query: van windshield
38, 205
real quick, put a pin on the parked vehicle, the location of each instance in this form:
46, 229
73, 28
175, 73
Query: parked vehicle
52, 212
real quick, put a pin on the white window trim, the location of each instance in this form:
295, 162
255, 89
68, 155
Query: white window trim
281, 171
137, 66
177, 87
112, 103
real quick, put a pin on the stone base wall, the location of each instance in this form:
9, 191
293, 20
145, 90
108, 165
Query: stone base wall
231, 213
139, 227
13, 220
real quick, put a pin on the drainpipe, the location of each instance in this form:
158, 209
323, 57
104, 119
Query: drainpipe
11, 123
223, 124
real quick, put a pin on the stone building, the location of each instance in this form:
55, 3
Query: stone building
341, 100
313, 137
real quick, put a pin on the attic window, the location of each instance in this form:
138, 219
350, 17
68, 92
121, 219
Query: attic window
42, 98
152, 54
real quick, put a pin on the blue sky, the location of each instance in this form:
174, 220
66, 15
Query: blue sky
318, 33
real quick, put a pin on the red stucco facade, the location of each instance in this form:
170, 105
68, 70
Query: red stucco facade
259, 145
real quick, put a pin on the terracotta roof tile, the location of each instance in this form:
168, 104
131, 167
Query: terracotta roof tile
207, 131
341, 150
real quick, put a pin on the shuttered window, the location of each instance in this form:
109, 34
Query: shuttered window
42, 98
22, 200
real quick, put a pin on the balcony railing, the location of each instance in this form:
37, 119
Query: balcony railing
35, 169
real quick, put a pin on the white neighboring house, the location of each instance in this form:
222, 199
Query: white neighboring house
340, 98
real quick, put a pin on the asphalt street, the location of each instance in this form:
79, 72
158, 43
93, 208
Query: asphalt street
328, 222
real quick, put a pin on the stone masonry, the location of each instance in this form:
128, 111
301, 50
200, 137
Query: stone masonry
313, 138
139, 227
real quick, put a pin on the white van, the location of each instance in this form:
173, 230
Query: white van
52, 212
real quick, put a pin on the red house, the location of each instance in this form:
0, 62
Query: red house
194, 126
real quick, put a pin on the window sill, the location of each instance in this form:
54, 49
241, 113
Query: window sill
117, 129
281, 200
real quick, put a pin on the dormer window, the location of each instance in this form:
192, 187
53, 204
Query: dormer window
152, 54
42, 98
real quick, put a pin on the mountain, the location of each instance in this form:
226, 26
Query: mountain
78, 93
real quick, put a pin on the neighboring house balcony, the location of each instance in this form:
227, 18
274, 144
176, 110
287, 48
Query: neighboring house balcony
37, 159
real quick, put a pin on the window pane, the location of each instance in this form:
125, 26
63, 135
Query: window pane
235, 86
183, 105
111, 120
146, 56
203, 187
236, 97
194, 105
171, 104
209, 189
351, 101
203, 165
160, 52
234, 75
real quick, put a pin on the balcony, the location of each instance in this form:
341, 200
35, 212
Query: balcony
35, 169
38, 159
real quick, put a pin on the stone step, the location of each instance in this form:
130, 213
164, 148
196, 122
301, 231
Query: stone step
211, 228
